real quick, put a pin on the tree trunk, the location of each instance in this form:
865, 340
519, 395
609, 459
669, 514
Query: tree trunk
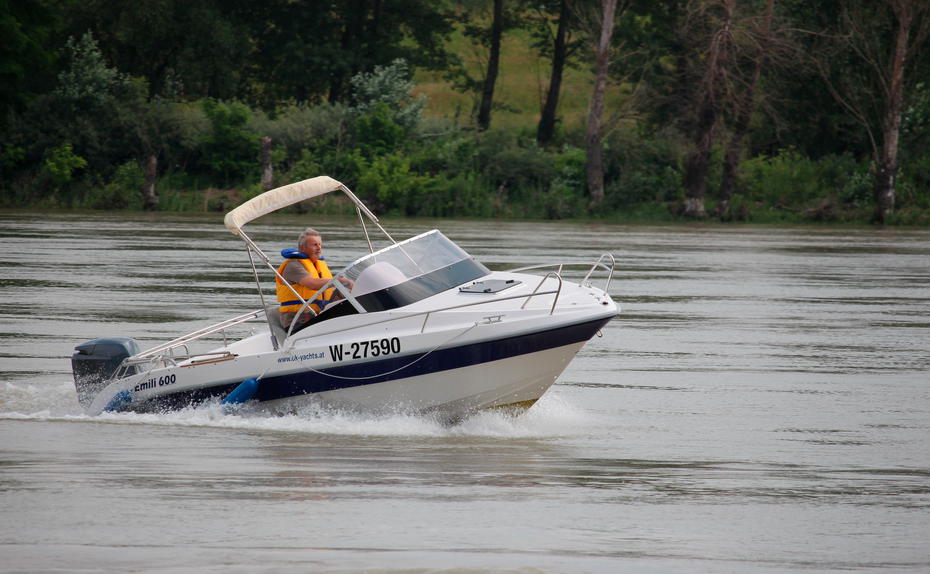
149, 195
547, 119
731, 159
595, 165
884, 189
374, 31
695, 178
887, 170
267, 168
487, 92
698, 166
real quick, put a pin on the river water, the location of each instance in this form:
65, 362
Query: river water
762, 404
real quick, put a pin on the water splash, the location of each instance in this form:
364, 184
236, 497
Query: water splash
551, 416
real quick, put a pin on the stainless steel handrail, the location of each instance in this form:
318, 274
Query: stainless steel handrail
542, 266
597, 264
184, 339
558, 291
472, 304
426, 314
610, 271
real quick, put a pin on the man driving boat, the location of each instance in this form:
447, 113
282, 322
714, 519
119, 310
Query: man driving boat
306, 272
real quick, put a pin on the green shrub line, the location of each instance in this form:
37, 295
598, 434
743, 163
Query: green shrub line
396, 160
493, 175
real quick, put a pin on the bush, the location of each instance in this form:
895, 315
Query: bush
390, 183
464, 194
640, 169
345, 166
184, 128
123, 191
451, 155
857, 189
564, 196
296, 128
390, 87
915, 183
785, 180
231, 150
376, 132
520, 169
59, 166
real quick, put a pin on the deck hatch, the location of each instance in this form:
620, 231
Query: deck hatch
489, 286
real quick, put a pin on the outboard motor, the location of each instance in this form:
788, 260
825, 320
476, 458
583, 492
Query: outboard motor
94, 362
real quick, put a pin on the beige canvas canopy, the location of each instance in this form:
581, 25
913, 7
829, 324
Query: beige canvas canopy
280, 197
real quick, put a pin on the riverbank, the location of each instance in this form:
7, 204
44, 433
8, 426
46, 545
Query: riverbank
220, 201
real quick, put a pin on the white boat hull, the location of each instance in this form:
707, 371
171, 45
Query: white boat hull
512, 382
455, 380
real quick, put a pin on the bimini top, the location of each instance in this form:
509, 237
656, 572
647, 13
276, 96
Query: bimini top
280, 197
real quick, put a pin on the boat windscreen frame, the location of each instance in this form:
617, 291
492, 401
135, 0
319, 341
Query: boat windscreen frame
451, 267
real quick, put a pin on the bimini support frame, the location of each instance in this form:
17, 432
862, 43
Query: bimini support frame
281, 197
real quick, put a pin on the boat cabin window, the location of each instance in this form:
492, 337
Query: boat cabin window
410, 271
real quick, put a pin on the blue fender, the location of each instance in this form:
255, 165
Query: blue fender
242, 393
119, 400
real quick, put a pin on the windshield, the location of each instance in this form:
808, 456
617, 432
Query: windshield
411, 271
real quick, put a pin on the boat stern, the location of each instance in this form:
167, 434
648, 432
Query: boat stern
94, 362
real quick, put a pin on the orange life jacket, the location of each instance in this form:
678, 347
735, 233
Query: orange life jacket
286, 300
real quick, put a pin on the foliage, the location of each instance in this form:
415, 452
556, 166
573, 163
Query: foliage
513, 163
305, 53
832, 187
25, 54
230, 151
474, 22
300, 127
781, 180
122, 192
94, 107
88, 82
376, 132
389, 87
89, 90
389, 182
640, 170
60, 165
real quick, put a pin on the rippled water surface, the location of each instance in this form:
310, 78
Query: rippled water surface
762, 404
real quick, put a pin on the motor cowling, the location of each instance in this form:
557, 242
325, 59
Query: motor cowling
95, 361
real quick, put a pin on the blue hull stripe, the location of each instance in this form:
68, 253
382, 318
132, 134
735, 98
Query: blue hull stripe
354, 375
440, 360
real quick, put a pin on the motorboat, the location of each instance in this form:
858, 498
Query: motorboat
420, 326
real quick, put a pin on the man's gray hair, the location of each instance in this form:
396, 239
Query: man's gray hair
308, 232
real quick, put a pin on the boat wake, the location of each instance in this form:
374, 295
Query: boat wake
551, 416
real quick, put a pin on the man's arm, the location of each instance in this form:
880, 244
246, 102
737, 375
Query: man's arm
312, 282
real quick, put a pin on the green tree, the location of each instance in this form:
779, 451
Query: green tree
308, 52
231, 150
392, 86
377, 133
886, 36
26, 55
195, 49
60, 164
94, 107
483, 23
558, 47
